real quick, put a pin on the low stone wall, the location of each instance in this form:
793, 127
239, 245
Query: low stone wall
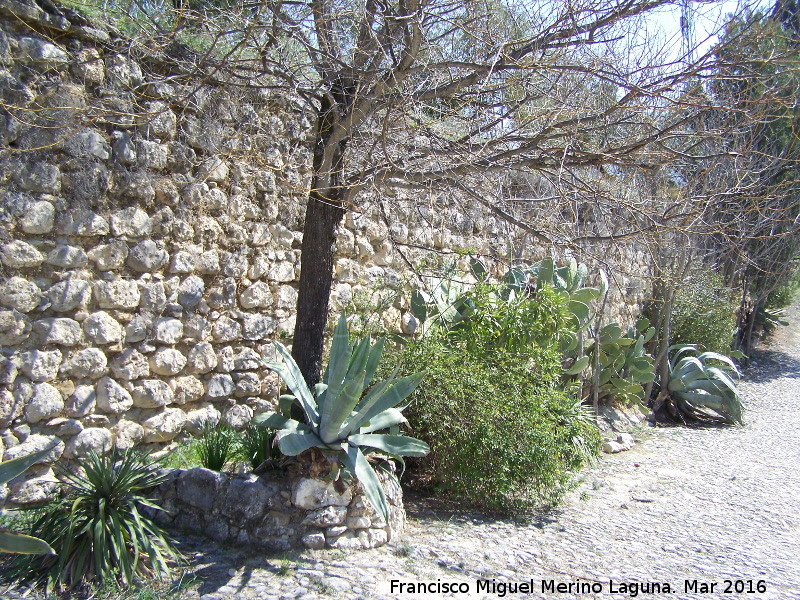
276, 513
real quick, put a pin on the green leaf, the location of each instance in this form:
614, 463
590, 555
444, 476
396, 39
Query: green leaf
579, 309
393, 445
375, 354
338, 361
15, 467
335, 413
388, 418
290, 373
546, 268
400, 389
603, 283
578, 367
419, 307
293, 443
478, 269
358, 465
17, 543
648, 335
610, 333
285, 402
276, 421
586, 295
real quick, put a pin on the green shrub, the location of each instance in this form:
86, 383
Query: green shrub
502, 436
785, 295
217, 445
256, 446
517, 325
98, 529
703, 314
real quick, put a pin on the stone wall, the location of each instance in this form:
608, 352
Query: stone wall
277, 514
150, 228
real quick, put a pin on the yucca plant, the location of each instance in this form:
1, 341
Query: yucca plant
702, 387
217, 445
98, 529
339, 421
256, 446
10, 541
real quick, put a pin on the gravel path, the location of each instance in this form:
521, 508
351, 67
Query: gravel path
696, 505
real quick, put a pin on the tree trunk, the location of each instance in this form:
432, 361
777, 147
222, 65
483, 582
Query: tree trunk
323, 215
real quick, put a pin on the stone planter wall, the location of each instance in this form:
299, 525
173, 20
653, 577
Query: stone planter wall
277, 514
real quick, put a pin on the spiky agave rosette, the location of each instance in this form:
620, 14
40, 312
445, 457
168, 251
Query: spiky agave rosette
342, 424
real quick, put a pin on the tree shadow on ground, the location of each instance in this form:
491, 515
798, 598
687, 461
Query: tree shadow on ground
429, 509
771, 363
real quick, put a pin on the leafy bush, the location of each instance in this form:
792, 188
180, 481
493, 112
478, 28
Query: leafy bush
217, 445
702, 387
341, 423
256, 446
517, 324
703, 314
98, 529
501, 434
10, 541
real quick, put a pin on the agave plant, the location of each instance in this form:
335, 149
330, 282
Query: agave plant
339, 421
702, 390
99, 529
11, 541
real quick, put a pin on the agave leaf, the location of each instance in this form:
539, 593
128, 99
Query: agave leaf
354, 460
389, 398
388, 418
720, 357
578, 367
339, 360
375, 354
335, 413
285, 402
393, 445
358, 361
15, 467
290, 373
419, 306
18, 543
276, 421
293, 443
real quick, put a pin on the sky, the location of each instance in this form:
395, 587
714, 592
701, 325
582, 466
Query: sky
708, 19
